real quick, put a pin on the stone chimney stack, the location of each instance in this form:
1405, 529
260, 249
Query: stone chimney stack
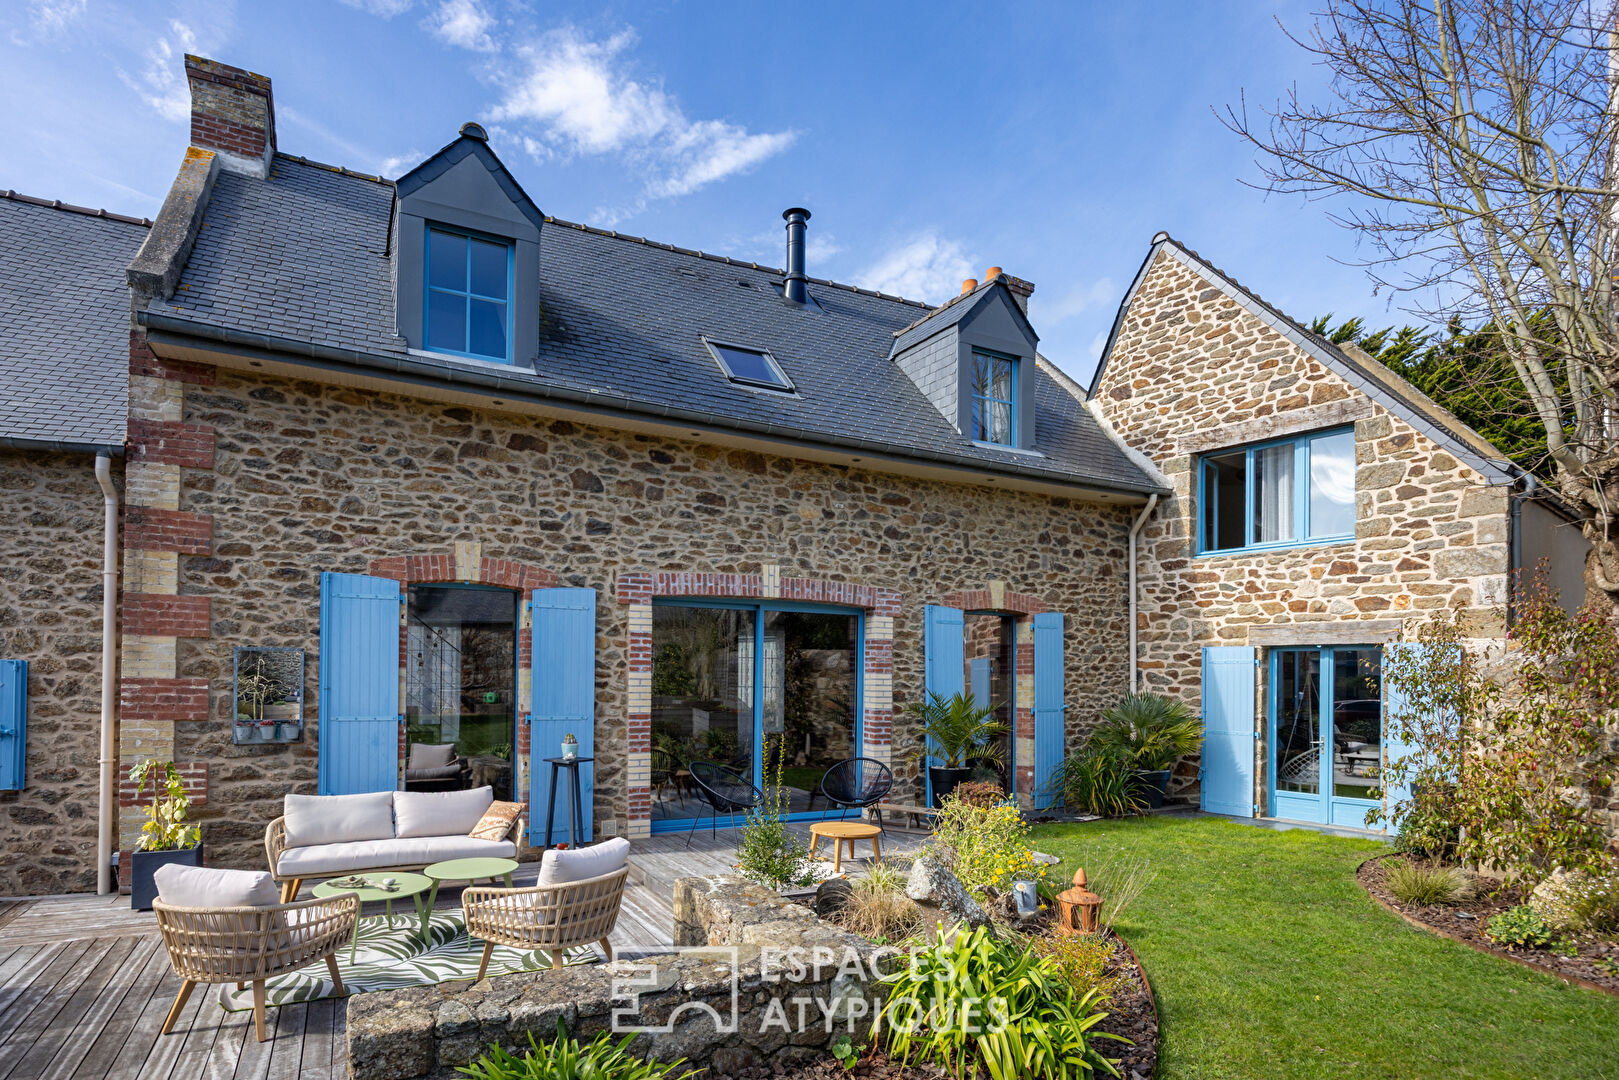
1021, 291
232, 114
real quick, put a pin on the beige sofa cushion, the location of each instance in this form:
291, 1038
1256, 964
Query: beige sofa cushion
334, 859
561, 867
338, 819
439, 813
208, 887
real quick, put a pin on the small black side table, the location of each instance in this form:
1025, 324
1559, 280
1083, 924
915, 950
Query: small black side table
575, 809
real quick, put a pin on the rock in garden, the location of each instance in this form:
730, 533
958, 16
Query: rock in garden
832, 896
932, 883
1553, 898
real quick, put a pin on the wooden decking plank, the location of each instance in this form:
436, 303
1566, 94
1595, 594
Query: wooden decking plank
164, 1052
315, 1052
75, 1025
286, 1052
114, 1037
56, 985
16, 960
13, 993
214, 1057
340, 1045
252, 1060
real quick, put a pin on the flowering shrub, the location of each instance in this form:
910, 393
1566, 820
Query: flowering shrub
1504, 767
985, 846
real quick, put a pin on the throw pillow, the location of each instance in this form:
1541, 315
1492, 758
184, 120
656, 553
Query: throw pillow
561, 867
496, 821
338, 819
208, 887
430, 755
440, 813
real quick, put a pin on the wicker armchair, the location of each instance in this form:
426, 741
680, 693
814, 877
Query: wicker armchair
551, 917
251, 944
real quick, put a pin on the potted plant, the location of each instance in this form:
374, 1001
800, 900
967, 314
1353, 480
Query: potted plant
570, 746
1149, 732
165, 838
958, 730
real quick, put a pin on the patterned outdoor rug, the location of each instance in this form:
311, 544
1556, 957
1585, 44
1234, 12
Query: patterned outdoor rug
392, 955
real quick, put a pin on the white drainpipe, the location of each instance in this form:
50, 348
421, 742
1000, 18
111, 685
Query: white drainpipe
109, 673
1135, 528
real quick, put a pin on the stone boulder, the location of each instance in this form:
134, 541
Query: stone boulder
832, 896
1553, 898
934, 884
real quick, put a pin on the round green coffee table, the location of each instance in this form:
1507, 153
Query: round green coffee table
468, 870
406, 885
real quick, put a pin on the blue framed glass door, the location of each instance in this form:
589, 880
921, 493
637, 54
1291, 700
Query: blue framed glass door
742, 685
1326, 733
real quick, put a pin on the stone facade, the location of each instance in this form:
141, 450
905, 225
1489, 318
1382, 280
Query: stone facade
308, 477
50, 616
1193, 371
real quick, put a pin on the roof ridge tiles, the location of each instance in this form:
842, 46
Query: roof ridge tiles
87, 211
341, 170
728, 260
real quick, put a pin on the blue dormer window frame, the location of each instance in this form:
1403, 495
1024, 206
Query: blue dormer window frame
1311, 511
473, 293
986, 397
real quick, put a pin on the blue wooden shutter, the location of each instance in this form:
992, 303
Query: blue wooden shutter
359, 684
1048, 705
1394, 746
943, 663
564, 692
13, 724
1227, 774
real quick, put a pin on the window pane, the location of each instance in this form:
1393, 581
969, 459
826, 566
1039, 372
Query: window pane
749, 365
1298, 723
489, 269
1003, 380
809, 700
1357, 723
446, 260
446, 321
1273, 494
488, 329
980, 375
1225, 493
979, 407
702, 701
1000, 422
1332, 485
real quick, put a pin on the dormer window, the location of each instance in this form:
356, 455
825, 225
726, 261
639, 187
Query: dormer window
749, 367
469, 288
994, 408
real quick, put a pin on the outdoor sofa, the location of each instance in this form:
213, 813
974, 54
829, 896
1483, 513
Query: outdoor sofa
321, 836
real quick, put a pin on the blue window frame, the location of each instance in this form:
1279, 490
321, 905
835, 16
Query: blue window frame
994, 413
1325, 733
467, 310
749, 658
1283, 493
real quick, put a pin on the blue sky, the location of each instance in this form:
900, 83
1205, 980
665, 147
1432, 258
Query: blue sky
928, 140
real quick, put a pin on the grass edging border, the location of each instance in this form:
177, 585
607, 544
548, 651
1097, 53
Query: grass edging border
1573, 980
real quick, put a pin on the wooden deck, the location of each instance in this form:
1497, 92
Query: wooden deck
85, 984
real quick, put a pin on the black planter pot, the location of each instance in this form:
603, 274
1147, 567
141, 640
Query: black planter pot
1154, 784
945, 781
142, 889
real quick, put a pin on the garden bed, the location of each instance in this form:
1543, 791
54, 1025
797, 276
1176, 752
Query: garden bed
1464, 922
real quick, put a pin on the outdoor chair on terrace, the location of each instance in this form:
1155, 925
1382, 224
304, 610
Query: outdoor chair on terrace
725, 790
855, 784
575, 903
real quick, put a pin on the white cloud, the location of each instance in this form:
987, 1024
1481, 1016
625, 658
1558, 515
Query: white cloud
1077, 300
1098, 343
161, 82
571, 89
386, 9
50, 17
465, 24
926, 267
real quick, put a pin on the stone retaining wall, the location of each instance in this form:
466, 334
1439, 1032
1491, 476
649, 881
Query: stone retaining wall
759, 980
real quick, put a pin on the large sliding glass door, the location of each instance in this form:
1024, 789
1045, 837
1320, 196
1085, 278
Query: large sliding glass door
1326, 733
744, 685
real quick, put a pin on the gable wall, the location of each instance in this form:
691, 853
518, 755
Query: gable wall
1192, 371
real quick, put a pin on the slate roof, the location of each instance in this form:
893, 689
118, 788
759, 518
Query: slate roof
64, 323
946, 315
302, 256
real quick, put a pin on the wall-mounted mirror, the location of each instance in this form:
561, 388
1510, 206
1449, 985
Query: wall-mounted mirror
269, 695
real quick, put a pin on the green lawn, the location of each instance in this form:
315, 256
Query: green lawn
1268, 961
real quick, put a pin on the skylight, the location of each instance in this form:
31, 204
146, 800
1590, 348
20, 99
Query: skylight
749, 367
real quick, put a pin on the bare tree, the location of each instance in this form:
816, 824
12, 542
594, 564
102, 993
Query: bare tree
1475, 143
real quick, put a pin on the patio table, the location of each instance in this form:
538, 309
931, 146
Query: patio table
406, 885
468, 870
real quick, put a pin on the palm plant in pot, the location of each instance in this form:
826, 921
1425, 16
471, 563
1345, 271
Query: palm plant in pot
958, 730
1150, 732
165, 837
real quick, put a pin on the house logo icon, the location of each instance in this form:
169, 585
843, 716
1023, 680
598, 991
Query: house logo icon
631, 980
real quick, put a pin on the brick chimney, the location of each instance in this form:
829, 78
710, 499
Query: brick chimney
232, 114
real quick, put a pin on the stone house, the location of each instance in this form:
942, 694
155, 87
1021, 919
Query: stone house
1321, 506
417, 479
